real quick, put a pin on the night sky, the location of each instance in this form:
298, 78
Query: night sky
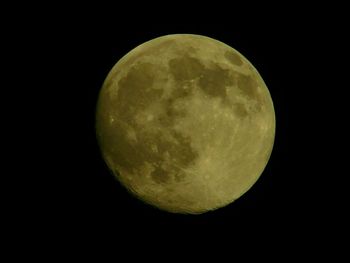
81, 201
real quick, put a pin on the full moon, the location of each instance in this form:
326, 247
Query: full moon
185, 123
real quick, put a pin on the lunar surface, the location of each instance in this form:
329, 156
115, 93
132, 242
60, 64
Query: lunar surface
185, 123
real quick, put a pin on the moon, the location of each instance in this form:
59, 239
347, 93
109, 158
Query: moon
185, 123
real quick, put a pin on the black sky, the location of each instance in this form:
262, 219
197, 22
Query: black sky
79, 199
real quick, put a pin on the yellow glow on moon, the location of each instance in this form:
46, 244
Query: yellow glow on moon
185, 123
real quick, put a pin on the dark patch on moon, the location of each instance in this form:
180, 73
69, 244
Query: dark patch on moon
164, 119
133, 156
240, 110
214, 81
248, 86
135, 90
191, 50
170, 114
181, 153
180, 92
185, 68
119, 148
159, 175
179, 176
233, 58
139, 79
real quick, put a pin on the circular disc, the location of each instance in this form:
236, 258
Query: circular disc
185, 123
